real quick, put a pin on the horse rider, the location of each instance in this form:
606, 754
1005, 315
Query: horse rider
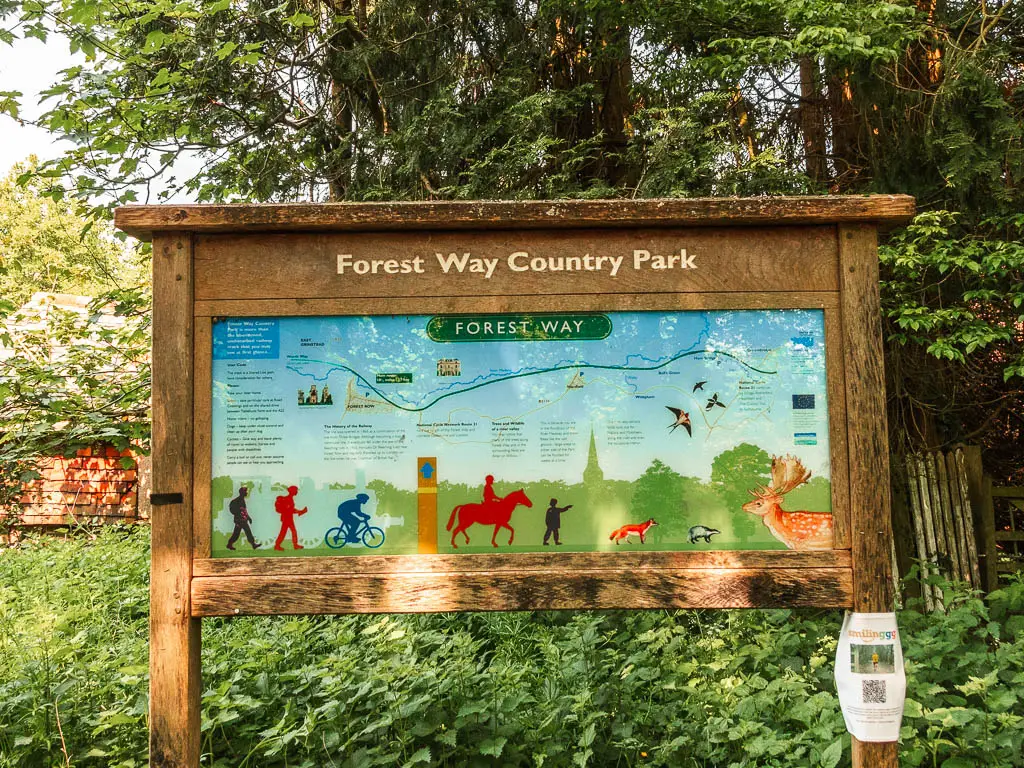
490, 497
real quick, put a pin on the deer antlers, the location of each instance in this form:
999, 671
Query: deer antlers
787, 473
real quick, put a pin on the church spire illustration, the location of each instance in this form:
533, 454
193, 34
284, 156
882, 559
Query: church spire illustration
593, 473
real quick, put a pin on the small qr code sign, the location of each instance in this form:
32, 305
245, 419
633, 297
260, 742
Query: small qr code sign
873, 691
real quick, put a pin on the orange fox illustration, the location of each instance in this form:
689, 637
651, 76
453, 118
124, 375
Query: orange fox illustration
797, 530
623, 533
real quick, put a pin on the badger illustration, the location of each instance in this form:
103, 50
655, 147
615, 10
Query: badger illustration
702, 532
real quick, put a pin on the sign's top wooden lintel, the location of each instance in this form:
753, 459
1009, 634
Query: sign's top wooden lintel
142, 221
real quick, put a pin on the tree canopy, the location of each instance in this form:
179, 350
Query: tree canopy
46, 245
351, 100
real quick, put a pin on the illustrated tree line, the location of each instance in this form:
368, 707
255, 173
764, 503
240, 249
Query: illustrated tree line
599, 505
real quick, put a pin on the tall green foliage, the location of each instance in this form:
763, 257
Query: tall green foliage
953, 301
680, 688
68, 379
352, 100
73, 380
46, 245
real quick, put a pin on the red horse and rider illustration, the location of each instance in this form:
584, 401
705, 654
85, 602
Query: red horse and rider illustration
495, 510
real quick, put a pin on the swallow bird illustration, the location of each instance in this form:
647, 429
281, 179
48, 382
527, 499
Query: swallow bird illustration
699, 385
682, 420
713, 401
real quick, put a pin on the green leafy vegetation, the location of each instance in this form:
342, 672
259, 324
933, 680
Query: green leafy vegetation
953, 303
48, 245
75, 379
73, 373
684, 688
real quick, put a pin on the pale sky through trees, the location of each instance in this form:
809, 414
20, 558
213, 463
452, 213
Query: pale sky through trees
29, 66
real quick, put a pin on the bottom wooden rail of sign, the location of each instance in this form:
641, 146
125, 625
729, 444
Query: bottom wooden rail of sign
520, 561
505, 590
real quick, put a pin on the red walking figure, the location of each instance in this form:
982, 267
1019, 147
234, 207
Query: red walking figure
285, 506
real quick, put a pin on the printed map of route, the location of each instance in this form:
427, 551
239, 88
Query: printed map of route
346, 402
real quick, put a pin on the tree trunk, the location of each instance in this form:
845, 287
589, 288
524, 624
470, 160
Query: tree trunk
613, 72
812, 123
741, 117
930, 50
846, 156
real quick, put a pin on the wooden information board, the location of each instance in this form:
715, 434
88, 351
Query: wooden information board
418, 407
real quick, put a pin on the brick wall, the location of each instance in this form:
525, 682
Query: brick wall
91, 487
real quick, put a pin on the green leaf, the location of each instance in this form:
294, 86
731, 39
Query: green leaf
154, 41
588, 735
248, 59
421, 755
162, 78
912, 708
493, 747
833, 753
225, 50
300, 19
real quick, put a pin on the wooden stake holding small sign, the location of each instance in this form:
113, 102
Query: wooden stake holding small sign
417, 407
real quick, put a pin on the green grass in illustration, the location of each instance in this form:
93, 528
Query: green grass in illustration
599, 506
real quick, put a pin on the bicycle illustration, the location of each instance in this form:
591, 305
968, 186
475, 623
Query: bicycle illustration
370, 535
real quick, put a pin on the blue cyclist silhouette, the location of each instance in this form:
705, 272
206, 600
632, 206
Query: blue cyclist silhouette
352, 516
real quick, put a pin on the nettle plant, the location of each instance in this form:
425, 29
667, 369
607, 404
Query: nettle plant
666, 689
74, 379
957, 291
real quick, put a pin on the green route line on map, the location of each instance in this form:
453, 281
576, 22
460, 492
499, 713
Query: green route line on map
435, 401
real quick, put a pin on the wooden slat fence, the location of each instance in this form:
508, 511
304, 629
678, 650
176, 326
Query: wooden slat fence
945, 539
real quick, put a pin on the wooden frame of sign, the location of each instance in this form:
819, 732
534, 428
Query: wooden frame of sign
281, 260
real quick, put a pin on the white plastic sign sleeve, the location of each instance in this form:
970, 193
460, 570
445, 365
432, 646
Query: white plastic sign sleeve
869, 676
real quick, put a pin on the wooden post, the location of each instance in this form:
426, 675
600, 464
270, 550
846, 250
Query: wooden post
902, 527
988, 534
956, 463
174, 636
871, 520
930, 538
980, 496
958, 498
948, 521
934, 504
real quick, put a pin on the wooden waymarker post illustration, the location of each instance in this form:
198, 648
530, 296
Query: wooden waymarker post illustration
419, 407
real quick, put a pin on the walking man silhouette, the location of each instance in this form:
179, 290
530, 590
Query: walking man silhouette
240, 514
553, 520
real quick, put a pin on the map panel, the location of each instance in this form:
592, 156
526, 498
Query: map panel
583, 431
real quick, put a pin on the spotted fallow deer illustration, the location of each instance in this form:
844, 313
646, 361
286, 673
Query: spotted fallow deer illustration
797, 530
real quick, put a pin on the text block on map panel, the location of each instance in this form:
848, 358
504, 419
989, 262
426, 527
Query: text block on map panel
521, 432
